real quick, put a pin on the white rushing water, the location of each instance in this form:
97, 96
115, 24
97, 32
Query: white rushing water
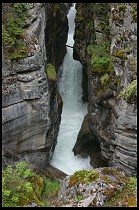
70, 87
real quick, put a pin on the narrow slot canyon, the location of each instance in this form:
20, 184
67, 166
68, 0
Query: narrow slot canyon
69, 105
74, 110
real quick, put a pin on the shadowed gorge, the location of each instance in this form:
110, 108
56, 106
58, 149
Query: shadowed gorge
70, 87
69, 104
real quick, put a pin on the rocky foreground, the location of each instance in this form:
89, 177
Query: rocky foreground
98, 188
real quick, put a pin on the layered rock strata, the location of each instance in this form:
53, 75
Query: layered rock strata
27, 123
111, 123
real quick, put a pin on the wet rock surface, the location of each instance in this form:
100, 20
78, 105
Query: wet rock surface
112, 121
30, 103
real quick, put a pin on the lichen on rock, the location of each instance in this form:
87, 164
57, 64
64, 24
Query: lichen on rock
104, 186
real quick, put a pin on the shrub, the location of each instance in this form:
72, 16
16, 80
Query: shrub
100, 65
51, 187
14, 16
130, 93
50, 192
100, 59
20, 186
51, 72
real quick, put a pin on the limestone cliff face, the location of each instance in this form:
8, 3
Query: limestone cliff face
109, 131
28, 127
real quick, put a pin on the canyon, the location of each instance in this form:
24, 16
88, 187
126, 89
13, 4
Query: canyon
106, 45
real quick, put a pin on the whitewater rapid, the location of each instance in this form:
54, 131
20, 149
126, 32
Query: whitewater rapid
70, 88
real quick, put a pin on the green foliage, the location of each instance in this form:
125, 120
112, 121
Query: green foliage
13, 23
19, 186
121, 7
130, 93
134, 11
125, 198
79, 197
118, 13
83, 176
120, 53
80, 16
50, 192
100, 59
132, 182
116, 80
105, 178
132, 62
51, 187
101, 12
100, 65
51, 72
105, 79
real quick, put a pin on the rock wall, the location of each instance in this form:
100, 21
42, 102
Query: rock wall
109, 131
28, 127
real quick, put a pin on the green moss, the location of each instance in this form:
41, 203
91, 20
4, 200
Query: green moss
116, 173
116, 80
101, 11
118, 13
125, 198
121, 7
134, 11
132, 61
51, 187
106, 178
79, 15
118, 18
51, 72
50, 192
79, 197
100, 59
14, 18
130, 93
83, 176
120, 53
100, 65
105, 79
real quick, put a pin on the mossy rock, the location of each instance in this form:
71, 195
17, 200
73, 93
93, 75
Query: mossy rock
79, 15
125, 198
130, 93
118, 13
100, 59
122, 7
132, 62
105, 178
51, 72
134, 12
120, 53
83, 176
116, 173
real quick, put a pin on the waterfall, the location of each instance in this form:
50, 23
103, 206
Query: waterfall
70, 88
